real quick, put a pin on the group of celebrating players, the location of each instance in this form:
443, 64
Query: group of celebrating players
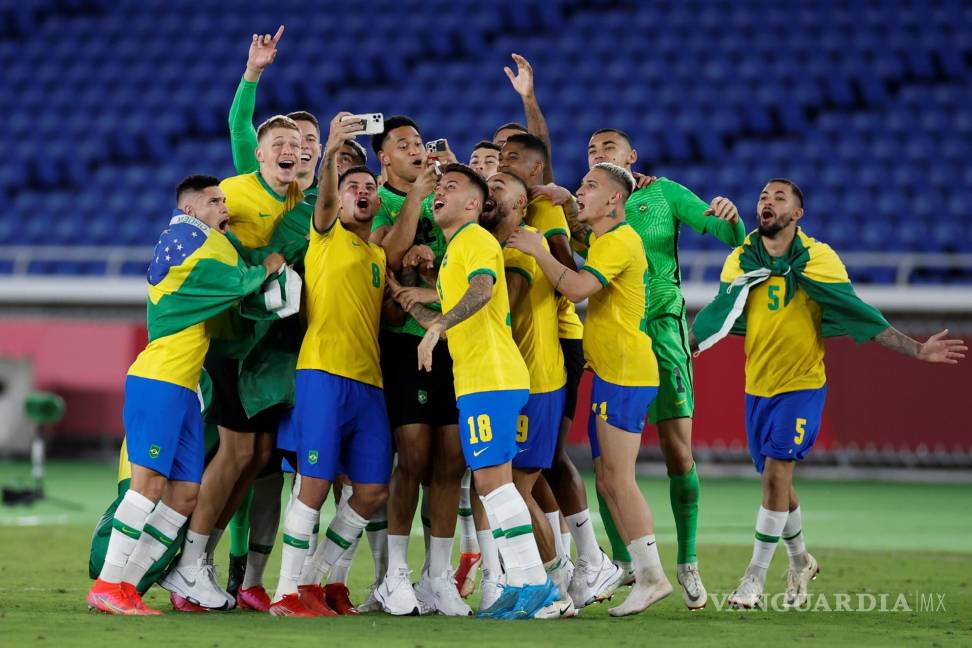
437, 350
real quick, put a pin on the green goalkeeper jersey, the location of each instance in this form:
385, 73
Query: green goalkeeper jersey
427, 233
656, 213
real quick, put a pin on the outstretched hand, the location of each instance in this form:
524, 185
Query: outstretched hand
341, 132
724, 209
426, 346
939, 350
523, 79
526, 241
263, 50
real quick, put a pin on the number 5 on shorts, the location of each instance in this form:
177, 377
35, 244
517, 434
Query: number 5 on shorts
801, 432
484, 432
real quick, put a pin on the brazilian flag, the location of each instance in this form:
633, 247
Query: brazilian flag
808, 265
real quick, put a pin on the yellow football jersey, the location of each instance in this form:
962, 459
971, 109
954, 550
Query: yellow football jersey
255, 208
616, 345
484, 356
345, 282
176, 358
549, 220
535, 323
784, 342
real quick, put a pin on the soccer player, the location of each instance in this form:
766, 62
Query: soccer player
534, 324
195, 274
786, 292
503, 132
657, 211
256, 202
525, 155
339, 408
618, 351
421, 406
485, 158
491, 382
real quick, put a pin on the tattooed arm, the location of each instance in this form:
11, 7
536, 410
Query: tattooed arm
935, 349
479, 292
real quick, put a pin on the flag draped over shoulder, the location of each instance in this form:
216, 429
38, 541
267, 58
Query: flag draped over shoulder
808, 265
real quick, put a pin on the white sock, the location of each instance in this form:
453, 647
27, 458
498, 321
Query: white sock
440, 556
298, 527
793, 537
213, 542
565, 540
644, 554
467, 525
426, 527
520, 554
582, 529
339, 573
769, 527
126, 529
344, 529
193, 549
264, 520
377, 532
158, 534
554, 520
489, 553
397, 552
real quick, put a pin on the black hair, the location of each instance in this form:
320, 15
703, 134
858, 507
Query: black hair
356, 169
793, 187
519, 181
620, 134
475, 178
303, 115
531, 143
196, 182
396, 121
487, 145
514, 125
359, 152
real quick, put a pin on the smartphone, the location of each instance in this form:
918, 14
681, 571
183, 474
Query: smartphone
436, 146
374, 123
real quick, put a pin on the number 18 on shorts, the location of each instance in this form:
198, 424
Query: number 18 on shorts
487, 426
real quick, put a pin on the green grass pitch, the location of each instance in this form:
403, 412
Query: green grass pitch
912, 540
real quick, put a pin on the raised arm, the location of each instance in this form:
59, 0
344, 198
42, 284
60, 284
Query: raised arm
243, 137
720, 218
934, 349
523, 84
477, 295
327, 205
398, 238
575, 286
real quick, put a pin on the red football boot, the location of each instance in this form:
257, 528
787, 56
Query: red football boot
110, 598
313, 598
466, 574
291, 606
140, 608
253, 598
339, 599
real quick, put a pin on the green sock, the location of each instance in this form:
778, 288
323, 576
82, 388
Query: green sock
239, 527
619, 551
685, 494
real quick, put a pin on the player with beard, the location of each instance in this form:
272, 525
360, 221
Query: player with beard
786, 292
525, 156
339, 408
421, 405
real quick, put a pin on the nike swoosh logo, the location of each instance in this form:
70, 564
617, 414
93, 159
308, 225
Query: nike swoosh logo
564, 611
648, 544
190, 583
262, 215
476, 453
681, 402
580, 524
521, 450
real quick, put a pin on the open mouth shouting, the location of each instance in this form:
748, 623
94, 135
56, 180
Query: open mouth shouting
223, 225
286, 164
489, 205
362, 204
438, 204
